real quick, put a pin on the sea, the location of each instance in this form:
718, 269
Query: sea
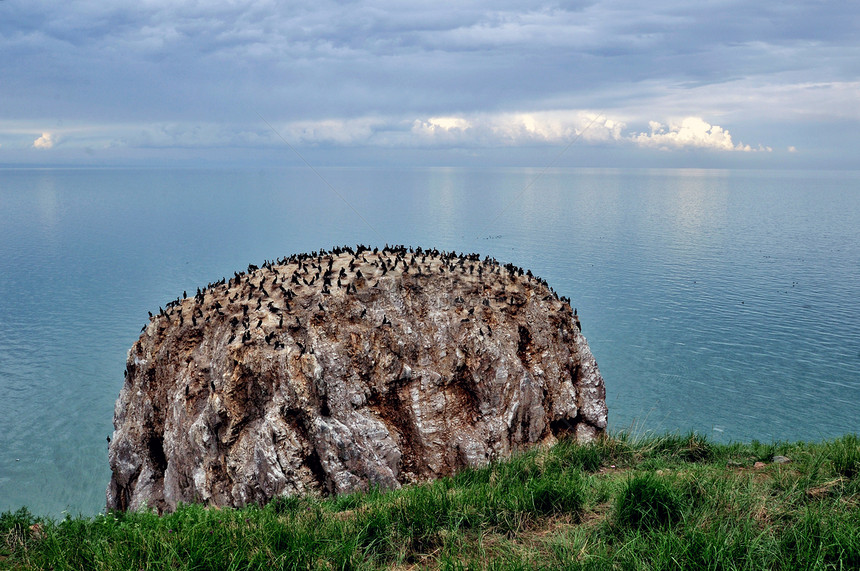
721, 302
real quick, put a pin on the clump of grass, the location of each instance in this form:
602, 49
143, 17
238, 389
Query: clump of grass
647, 502
845, 455
585, 457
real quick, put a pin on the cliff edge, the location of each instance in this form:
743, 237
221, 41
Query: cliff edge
337, 371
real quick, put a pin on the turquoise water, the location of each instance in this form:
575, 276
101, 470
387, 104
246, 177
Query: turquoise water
725, 302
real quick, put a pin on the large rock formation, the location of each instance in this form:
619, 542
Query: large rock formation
338, 371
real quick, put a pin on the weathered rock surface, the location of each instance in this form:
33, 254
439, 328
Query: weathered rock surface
338, 371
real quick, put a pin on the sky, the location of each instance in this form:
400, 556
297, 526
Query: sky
605, 83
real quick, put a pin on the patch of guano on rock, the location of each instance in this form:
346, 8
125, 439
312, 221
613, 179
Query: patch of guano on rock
338, 371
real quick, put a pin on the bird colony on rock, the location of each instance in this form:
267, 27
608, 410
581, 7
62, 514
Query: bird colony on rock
333, 372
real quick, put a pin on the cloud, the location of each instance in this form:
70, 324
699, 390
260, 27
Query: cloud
381, 73
514, 129
334, 131
552, 128
690, 133
46, 141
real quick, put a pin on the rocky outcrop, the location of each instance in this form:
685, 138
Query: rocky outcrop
338, 371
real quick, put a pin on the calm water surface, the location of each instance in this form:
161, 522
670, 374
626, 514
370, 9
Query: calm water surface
725, 302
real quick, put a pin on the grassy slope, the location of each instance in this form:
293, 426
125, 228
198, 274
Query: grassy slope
671, 502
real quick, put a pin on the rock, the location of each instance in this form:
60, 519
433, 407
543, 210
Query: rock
339, 371
781, 459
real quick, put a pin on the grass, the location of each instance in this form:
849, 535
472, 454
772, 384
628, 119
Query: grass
659, 502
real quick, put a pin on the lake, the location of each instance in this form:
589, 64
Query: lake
721, 302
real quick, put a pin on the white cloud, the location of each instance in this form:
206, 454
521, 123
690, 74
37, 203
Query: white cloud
512, 129
46, 141
690, 133
433, 124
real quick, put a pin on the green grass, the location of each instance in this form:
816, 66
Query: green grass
658, 502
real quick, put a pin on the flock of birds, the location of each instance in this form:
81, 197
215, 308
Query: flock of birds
260, 303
